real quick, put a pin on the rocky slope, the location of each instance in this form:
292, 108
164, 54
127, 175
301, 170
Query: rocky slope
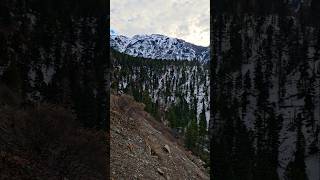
158, 46
142, 148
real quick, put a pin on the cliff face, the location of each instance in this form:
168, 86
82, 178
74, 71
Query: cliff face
142, 147
266, 93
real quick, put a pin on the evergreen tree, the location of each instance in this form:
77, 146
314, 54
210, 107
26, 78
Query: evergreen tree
247, 81
247, 88
242, 161
236, 45
203, 121
242, 150
296, 169
202, 125
147, 101
192, 135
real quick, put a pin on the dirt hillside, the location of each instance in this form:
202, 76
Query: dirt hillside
142, 148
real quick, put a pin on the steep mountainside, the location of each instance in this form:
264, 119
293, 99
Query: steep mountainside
157, 46
176, 93
143, 148
45, 141
166, 82
56, 55
53, 91
266, 93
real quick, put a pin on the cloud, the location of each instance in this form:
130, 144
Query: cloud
185, 19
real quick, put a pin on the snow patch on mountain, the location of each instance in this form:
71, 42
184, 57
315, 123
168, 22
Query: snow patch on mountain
156, 46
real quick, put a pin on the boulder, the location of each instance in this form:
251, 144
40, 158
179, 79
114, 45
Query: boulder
167, 148
160, 171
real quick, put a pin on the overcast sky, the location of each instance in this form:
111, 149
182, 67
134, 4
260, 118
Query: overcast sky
184, 19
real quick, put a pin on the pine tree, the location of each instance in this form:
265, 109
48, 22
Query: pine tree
242, 153
203, 121
247, 88
202, 125
273, 127
241, 148
261, 86
247, 80
157, 115
236, 45
147, 101
296, 169
172, 117
192, 135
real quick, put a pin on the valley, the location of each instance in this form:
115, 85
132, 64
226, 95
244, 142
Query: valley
175, 93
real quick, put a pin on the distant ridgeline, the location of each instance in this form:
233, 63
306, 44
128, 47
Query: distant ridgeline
176, 90
266, 88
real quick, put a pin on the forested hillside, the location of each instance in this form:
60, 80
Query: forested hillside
53, 89
53, 51
266, 88
174, 92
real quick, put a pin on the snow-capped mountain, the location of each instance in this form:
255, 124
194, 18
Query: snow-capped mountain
157, 46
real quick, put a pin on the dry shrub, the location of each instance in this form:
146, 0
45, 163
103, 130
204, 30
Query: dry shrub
124, 107
50, 144
126, 103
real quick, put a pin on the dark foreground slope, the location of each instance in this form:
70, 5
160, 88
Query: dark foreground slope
142, 148
46, 142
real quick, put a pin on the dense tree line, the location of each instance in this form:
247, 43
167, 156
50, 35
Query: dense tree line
172, 91
265, 118
52, 51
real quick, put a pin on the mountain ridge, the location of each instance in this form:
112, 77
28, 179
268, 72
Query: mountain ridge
157, 46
